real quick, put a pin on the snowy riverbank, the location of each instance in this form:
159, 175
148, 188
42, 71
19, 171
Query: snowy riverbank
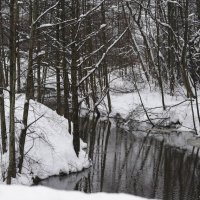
128, 105
42, 193
49, 148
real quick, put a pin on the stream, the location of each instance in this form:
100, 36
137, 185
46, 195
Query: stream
162, 165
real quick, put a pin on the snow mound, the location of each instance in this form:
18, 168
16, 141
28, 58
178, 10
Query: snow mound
49, 146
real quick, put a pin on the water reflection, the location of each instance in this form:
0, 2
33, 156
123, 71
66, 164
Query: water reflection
136, 163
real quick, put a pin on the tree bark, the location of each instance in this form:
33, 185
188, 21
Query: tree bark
198, 9
184, 66
12, 161
58, 82
74, 70
105, 66
29, 91
2, 112
65, 68
171, 52
18, 53
2, 108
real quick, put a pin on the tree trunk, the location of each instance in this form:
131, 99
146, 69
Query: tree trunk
18, 53
74, 70
12, 161
105, 66
198, 9
184, 66
2, 112
171, 47
39, 86
58, 96
2, 108
158, 59
29, 91
65, 70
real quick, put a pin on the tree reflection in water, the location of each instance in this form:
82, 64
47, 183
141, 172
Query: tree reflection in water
133, 163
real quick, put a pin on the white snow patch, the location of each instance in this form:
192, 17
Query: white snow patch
103, 26
46, 25
178, 107
49, 146
42, 193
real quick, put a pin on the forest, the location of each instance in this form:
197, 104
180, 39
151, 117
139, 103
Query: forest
131, 63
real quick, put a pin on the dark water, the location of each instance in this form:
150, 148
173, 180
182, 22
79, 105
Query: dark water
139, 163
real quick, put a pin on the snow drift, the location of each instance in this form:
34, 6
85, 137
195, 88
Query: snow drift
48, 149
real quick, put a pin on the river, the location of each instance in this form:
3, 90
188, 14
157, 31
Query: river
161, 165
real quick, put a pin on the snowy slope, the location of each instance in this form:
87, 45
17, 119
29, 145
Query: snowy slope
49, 148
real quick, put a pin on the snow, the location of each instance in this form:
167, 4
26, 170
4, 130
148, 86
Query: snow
49, 147
103, 26
42, 193
46, 25
128, 105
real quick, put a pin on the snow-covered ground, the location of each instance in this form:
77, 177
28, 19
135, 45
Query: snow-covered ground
42, 193
178, 107
49, 148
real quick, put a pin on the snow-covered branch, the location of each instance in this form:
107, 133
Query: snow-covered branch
102, 58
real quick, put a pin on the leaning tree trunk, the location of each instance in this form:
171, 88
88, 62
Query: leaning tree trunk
2, 108
28, 94
2, 112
